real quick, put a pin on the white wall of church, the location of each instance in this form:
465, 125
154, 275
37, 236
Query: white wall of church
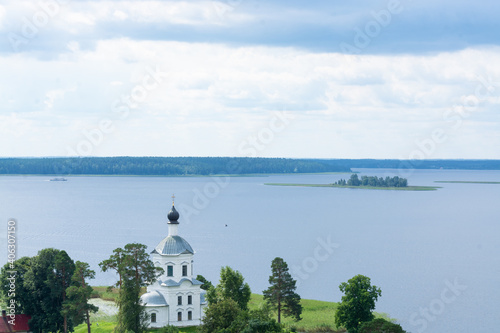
161, 316
177, 262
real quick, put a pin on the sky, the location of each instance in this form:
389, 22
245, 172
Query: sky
398, 79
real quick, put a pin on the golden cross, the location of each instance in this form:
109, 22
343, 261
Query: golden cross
173, 199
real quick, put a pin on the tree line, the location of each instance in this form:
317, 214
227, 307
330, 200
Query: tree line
180, 166
373, 181
416, 164
162, 166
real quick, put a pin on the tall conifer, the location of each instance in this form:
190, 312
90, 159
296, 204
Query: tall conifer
281, 294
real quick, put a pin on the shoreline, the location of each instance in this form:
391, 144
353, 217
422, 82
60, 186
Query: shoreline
181, 176
406, 188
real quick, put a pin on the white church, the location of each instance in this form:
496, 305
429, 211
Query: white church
176, 297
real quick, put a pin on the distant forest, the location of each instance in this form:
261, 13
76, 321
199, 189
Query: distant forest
163, 166
186, 166
417, 164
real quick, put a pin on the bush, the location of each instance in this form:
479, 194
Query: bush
380, 326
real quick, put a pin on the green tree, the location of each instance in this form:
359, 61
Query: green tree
220, 315
357, 304
16, 275
79, 293
135, 270
231, 286
61, 280
354, 180
47, 279
380, 325
206, 284
260, 320
281, 294
115, 262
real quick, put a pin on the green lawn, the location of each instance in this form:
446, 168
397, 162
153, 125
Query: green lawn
104, 327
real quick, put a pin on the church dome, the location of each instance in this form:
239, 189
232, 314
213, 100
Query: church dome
173, 215
153, 298
173, 245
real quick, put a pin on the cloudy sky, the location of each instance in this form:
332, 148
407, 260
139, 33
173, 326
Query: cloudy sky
327, 79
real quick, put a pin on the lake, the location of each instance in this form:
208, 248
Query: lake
434, 254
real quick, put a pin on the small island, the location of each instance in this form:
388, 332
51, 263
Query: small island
368, 183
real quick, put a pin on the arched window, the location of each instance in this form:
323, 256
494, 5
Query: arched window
153, 317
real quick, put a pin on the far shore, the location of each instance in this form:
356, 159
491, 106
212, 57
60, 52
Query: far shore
190, 175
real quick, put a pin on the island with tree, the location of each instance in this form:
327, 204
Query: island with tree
369, 183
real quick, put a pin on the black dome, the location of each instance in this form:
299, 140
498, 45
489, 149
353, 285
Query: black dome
173, 215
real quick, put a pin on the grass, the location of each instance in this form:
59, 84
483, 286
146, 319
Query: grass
105, 294
104, 327
317, 316
464, 182
406, 188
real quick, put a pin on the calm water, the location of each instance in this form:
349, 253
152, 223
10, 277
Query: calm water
435, 255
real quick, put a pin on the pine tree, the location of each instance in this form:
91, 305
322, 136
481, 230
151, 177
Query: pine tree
78, 295
281, 294
135, 270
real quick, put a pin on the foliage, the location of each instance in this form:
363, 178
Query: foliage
79, 293
48, 289
206, 284
260, 320
231, 286
47, 280
24, 299
281, 294
227, 316
357, 304
373, 181
220, 315
135, 270
380, 325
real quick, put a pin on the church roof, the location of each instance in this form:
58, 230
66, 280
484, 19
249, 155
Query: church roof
153, 298
173, 215
173, 245
172, 283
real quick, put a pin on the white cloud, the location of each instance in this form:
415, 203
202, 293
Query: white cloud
211, 97
2, 16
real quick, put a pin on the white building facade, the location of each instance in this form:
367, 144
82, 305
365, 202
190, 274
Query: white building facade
176, 297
